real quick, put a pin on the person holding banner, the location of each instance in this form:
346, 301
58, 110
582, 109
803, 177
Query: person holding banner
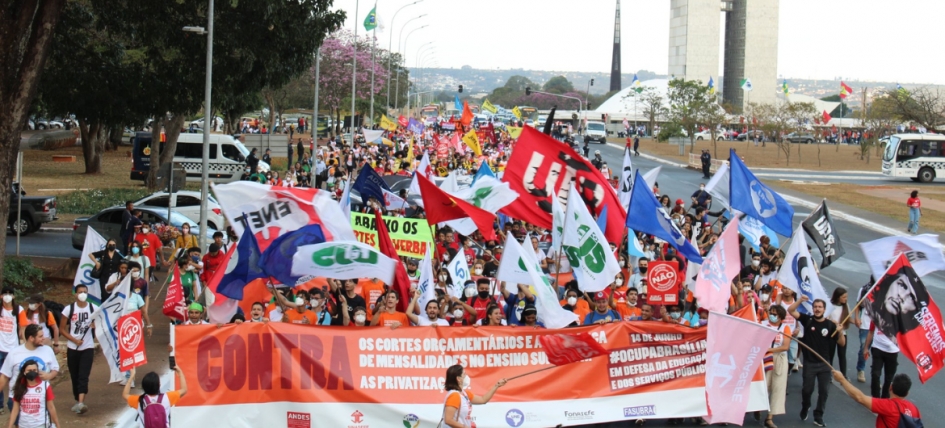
457, 409
389, 316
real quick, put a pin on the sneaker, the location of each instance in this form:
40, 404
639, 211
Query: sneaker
83, 409
75, 408
861, 376
804, 413
819, 422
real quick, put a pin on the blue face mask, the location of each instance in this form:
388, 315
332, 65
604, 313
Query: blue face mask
195, 258
772, 318
135, 250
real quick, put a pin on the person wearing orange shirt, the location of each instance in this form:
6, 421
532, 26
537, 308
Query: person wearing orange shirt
389, 317
299, 313
371, 290
572, 303
628, 310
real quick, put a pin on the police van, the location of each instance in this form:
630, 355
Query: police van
227, 159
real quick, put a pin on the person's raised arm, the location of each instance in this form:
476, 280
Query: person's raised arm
793, 308
412, 307
183, 380
483, 399
377, 316
126, 391
853, 392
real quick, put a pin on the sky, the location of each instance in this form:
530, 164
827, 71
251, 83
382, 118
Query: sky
857, 40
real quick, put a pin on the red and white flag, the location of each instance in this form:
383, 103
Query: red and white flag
734, 350
271, 211
902, 307
713, 284
563, 348
174, 306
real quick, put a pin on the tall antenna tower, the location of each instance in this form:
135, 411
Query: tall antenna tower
615, 61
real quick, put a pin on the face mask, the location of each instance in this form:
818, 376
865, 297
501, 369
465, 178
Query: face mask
572, 301
31, 376
135, 274
674, 315
772, 318
466, 381
458, 313
247, 170
7, 298
359, 318
703, 322
643, 269
195, 259
33, 306
478, 271
110, 247
764, 297
701, 187
135, 250
618, 281
190, 268
315, 302
623, 263
483, 294
186, 231
299, 301
443, 278
82, 296
755, 263
470, 292
487, 257
746, 289
145, 230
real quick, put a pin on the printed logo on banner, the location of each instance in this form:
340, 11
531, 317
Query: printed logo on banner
716, 369
585, 415
662, 279
515, 418
762, 199
924, 362
298, 420
357, 418
632, 412
912, 256
411, 421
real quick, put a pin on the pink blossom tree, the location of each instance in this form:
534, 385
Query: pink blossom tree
338, 52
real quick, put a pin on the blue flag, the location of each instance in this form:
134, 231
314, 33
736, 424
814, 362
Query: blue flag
242, 267
277, 260
484, 170
634, 248
415, 126
602, 219
457, 104
750, 196
753, 230
370, 184
648, 216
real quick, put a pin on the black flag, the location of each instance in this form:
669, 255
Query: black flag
819, 226
549, 121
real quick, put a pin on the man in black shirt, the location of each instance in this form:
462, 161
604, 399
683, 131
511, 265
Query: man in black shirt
818, 335
346, 293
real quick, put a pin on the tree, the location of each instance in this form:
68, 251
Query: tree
689, 100
800, 116
652, 102
714, 118
879, 119
26, 34
923, 106
338, 52
558, 85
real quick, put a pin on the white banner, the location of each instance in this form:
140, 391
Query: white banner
924, 252
106, 322
83, 273
427, 282
343, 260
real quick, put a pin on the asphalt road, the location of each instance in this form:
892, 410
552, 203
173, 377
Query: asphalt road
43, 243
851, 272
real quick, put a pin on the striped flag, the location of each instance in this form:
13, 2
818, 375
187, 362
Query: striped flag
845, 90
711, 86
784, 88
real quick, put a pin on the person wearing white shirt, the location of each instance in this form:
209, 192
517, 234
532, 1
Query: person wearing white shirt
76, 326
31, 349
431, 317
885, 354
636, 280
9, 330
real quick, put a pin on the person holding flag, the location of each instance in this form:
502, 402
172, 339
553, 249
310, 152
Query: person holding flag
431, 313
457, 409
820, 340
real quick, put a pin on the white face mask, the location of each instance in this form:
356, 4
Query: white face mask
747, 289
33, 306
470, 292
135, 274
701, 187
458, 313
443, 278
7, 298
190, 268
145, 230
764, 297
359, 318
315, 302
572, 301
478, 271
466, 381
299, 301
755, 263
82, 296
618, 281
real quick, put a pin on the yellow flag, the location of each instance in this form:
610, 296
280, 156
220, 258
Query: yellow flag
410, 151
487, 106
472, 140
514, 131
387, 123
517, 112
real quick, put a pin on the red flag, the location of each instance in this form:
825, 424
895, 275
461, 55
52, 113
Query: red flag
902, 307
826, 117
845, 90
467, 116
401, 280
540, 165
174, 302
402, 120
565, 348
441, 206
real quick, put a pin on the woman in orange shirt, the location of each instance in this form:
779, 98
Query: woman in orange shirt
457, 409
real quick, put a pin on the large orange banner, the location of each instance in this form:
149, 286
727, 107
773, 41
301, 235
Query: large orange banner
256, 374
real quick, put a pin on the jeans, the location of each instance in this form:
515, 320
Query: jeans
884, 364
80, 366
816, 371
841, 352
860, 361
792, 352
914, 219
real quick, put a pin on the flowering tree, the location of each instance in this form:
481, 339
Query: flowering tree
338, 52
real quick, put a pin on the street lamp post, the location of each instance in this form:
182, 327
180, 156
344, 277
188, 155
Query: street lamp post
418, 88
354, 70
421, 63
390, 42
399, 45
207, 124
318, 63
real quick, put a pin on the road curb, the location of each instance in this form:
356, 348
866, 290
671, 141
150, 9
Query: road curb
56, 229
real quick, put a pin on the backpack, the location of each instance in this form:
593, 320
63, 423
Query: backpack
155, 414
56, 309
906, 421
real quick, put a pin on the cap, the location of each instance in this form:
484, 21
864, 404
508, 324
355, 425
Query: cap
529, 310
195, 307
679, 202
600, 296
36, 298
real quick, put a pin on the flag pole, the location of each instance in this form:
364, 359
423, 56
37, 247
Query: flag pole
865, 295
778, 332
531, 372
564, 226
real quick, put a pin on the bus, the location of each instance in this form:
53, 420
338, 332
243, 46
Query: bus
529, 113
921, 157
430, 112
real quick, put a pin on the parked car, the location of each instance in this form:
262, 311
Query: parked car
34, 211
48, 124
800, 137
107, 223
705, 135
750, 134
187, 203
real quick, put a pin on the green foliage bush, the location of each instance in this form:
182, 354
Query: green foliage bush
668, 131
88, 202
19, 273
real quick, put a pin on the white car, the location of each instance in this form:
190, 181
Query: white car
187, 203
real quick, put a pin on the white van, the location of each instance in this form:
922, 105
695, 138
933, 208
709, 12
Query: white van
227, 159
595, 132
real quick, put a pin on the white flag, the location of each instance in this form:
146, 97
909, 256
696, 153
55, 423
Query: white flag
342, 260
426, 284
800, 275
651, 176
106, 323
83, 274
459, 273
923, 251
626, 179
517, 260
487, 193
345, 200
557, 218
391, 200
450, 184
587, 248
371, 136
423, 169
719, 192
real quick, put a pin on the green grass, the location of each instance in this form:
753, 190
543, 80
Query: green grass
88, 202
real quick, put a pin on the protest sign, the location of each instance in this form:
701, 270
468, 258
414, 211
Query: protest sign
410, 236
131, 342
250, 372
662, 283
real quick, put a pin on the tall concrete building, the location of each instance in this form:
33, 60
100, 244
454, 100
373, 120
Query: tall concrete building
751, 46
615, 84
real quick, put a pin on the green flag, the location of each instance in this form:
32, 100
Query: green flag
370, 22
